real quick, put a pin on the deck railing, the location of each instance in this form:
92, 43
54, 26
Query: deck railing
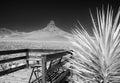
45, 58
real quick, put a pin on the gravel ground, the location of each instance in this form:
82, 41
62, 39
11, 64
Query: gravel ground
21, 76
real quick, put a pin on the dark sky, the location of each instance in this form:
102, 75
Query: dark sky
30, 15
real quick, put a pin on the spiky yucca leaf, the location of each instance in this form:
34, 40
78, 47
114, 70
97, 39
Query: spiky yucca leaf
98, 58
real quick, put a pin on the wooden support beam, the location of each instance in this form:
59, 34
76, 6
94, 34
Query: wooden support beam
27, 59
44, 69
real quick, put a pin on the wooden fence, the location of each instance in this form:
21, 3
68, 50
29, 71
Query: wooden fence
45, 57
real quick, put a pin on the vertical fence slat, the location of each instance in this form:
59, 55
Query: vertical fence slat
27, 58
43, 69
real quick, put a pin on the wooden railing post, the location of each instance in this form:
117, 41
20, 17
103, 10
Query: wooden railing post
27, 58
43, 69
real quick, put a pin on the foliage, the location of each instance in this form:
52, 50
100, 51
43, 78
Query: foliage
97, 58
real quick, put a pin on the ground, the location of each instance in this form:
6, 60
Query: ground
21, 76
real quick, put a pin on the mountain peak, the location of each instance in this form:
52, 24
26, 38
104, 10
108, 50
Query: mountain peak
51, 27
51, 23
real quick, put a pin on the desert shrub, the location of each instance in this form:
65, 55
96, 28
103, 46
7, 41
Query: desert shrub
97, 57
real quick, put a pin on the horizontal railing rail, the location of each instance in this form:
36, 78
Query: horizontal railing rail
54, 56
11, 70
45, 50
13, 59
6, 52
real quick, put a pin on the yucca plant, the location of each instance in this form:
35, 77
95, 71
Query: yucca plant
97, 57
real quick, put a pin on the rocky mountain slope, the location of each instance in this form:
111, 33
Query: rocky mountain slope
49, 33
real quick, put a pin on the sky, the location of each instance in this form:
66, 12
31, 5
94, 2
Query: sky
32, 15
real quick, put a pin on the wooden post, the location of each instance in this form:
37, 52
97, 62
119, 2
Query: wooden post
43, 69
27, 59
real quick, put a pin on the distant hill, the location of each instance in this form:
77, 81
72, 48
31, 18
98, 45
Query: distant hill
48, 37
4, 32
8, 33
49, 33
